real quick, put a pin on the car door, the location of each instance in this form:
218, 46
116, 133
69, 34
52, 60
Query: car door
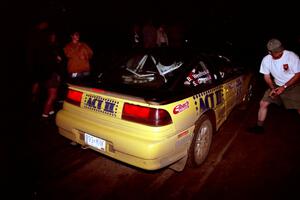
214, 95
229, 88
230, 82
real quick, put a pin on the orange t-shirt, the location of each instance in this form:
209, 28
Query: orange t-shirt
78, 56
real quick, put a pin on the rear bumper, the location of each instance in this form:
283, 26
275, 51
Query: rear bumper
145, 153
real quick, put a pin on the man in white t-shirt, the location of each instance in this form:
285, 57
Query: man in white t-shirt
281, 70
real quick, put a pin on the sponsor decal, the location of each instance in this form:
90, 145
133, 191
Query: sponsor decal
285, 67
197, 77
100, 104
211, 100
181, 107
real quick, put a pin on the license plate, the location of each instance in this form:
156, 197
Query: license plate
94, 142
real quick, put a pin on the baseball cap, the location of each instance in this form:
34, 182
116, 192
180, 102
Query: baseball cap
274, 45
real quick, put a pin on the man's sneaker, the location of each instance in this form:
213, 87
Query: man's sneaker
45, 116
51, 112
256, 129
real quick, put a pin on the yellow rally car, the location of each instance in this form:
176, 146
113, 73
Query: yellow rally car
155, 109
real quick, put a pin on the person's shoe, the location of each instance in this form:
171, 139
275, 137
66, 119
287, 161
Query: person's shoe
256, 129
51, 112
45, 116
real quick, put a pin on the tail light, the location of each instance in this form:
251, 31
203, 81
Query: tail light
74, 97
146, 115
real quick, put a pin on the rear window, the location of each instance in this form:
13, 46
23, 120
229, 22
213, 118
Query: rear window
164, 74
144, 70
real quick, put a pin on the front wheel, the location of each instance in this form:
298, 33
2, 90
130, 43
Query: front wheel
201, 143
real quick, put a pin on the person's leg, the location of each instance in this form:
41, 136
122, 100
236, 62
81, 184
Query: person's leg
48, 107
262, 112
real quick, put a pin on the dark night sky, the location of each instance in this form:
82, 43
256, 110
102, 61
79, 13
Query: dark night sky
248, 23
250, 18
266, 15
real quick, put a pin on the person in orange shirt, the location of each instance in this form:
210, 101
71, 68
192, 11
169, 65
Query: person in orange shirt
78, 54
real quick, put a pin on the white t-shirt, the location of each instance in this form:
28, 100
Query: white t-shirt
282, 69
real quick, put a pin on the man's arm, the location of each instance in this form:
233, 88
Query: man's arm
295, 79
269, 81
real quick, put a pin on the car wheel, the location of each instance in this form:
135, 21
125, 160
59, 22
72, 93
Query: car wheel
200, 145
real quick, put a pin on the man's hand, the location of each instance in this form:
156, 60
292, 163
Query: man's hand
276, 91
279, 90
273, 93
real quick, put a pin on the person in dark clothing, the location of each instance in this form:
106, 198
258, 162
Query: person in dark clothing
37, 42
136, 36
149, 35
49, 74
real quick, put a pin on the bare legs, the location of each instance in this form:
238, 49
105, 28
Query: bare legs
51, 98
262, 112
52, 94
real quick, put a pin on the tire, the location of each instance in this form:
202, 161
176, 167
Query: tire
201, 142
